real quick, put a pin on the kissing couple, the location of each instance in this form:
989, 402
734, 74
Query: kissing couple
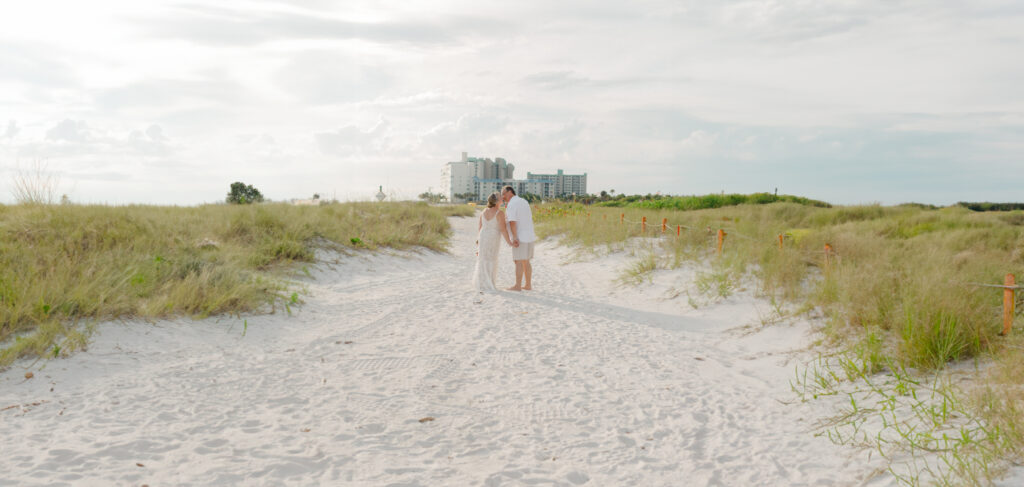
515, 225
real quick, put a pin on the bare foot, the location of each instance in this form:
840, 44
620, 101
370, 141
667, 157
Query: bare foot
527, 288
514, 288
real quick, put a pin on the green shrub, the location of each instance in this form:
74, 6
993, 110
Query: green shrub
985, 206
242, 193
691, 203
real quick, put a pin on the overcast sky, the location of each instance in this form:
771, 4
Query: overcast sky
846, 101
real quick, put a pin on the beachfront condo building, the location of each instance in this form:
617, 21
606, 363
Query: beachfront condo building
474, 178
562, 184
463, 177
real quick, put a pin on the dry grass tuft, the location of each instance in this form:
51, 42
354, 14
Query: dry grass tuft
66, 265
898, 271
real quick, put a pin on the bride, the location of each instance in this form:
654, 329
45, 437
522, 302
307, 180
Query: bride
492, 228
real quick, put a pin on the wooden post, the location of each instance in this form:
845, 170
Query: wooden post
828, 255
664, 225
622, 218
721, 240
1008, 304
780, 241
643, 224
679, 230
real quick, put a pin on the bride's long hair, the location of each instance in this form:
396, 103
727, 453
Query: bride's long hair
492, 200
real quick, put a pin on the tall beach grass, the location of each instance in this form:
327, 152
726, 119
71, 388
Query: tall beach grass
897, 294
904, 272
65, 266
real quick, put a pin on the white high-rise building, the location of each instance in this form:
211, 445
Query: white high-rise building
480, 177
457, 178
476, 175
562, 184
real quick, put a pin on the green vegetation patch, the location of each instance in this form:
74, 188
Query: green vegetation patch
69, 265
689, 203
986, 206
899, 271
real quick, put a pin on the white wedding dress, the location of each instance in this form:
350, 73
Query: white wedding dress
487, 255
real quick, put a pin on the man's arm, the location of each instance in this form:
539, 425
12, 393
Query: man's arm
514, 233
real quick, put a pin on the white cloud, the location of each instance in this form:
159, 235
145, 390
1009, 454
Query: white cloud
264, 139
556, 80
476, 132
152, 141
327, 77
74, 141
155, 133
550, 146
699, 141
11, 130
173, 94
68, 130
351, 140
35, 64
839, 99
224, 26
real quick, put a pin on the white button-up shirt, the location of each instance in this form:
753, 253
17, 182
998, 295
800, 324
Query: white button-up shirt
518, 210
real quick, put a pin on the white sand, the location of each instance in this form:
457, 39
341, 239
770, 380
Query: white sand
577, 382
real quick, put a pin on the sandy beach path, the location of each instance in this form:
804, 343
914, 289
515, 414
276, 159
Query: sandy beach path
579, 382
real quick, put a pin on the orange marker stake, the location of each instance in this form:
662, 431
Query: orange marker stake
828, 255
1008, 305
664, 225
679, 230
721, 240
622, 218
643, 224
780, 241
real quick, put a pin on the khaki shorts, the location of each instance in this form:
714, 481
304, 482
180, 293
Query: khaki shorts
523, 252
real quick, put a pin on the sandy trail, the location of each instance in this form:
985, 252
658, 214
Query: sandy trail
577, 382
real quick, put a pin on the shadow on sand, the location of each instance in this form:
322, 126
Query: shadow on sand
610, 311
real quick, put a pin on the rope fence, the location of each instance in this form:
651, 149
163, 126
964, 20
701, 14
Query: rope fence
830, 256
1009, 286
829, 252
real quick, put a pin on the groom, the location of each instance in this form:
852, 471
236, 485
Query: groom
520, 230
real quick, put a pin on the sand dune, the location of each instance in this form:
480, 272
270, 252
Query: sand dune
392, 374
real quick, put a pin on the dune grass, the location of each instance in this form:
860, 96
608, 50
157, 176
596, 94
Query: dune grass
900, 271
63, 267
895, 294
